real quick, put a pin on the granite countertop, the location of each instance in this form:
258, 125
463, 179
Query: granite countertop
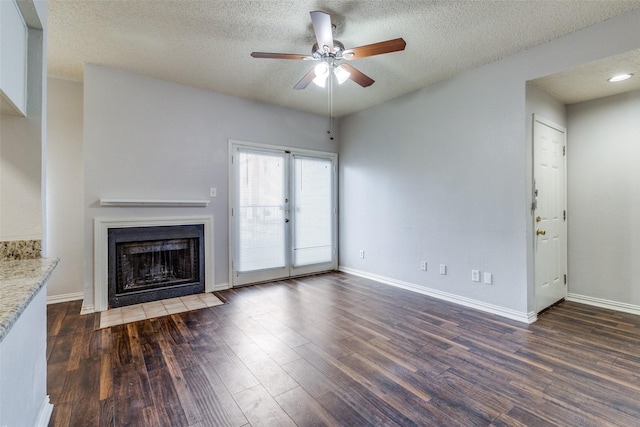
20, 281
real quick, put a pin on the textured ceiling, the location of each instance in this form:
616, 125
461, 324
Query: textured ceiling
206, 44
589, 81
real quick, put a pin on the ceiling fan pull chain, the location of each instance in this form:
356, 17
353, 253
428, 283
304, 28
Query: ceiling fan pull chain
330, 106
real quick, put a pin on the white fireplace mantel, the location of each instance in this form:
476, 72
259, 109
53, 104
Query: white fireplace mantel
101, 228
154, 203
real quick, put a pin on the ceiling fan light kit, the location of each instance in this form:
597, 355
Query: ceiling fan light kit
341, 74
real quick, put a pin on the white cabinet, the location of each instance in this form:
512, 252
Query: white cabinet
23, 342
13, 58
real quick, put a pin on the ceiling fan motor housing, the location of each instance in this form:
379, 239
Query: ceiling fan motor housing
325, 52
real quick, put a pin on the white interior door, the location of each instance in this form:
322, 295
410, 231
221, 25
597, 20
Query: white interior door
283, 213
549, 213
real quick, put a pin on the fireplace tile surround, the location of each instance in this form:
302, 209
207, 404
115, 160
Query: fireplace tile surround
102, 227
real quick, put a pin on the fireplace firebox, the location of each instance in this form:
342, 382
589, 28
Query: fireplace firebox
153, 263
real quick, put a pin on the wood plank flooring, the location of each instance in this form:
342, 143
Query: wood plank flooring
339, 350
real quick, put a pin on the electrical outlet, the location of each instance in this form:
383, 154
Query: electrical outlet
362, 253
423, 265
475, 275
443, 269
488, 278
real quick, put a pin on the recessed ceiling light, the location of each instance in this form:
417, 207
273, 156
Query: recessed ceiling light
619, 78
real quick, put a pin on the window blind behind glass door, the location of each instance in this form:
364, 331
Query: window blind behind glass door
261, 216
312, 183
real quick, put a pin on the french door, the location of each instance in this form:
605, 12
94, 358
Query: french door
283, 213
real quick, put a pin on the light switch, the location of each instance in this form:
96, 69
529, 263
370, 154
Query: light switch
213, 192
488, 278
475, 275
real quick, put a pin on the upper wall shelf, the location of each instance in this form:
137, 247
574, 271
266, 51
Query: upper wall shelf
154, 203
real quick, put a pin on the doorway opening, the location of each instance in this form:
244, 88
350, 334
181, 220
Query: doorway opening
549, 212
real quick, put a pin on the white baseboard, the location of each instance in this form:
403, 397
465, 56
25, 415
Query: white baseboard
456, 299
45, 413
74, 296
603, 303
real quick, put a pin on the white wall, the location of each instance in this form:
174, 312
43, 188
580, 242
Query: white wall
541, 103
21, 145
438, 176
20, 157
444, 175
65, 186
145, 138
604, 199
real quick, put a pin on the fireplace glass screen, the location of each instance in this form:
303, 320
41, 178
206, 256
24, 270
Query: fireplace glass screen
153, 263
142, 265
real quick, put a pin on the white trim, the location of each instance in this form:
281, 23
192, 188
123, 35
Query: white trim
456, 299
259, 145
538, 118
87, 309
100, 238
74, 296
221, 286
604, 303
154, 203
44, 415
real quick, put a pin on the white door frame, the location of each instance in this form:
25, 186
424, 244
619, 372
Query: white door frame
232, 149
564, 246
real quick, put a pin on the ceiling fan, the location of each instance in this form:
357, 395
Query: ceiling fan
332, 54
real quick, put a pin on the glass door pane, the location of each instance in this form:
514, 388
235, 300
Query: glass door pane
261, 214
312, 211
283, 213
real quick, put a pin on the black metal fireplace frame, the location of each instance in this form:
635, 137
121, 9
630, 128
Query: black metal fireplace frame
153, 233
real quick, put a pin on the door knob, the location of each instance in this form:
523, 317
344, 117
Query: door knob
541, 232
538, 218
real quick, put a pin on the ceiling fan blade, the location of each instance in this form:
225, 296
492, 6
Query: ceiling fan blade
358, 76
322, 26
280, 55
374, 49
304, 82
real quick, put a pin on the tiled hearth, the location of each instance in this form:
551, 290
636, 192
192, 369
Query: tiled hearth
149, 310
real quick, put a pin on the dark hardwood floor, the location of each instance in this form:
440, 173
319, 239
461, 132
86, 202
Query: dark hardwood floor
340, 350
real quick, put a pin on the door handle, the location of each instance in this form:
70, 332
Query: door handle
286, 220
541, 232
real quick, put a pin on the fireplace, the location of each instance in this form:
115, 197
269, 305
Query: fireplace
143, 230
154, 263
